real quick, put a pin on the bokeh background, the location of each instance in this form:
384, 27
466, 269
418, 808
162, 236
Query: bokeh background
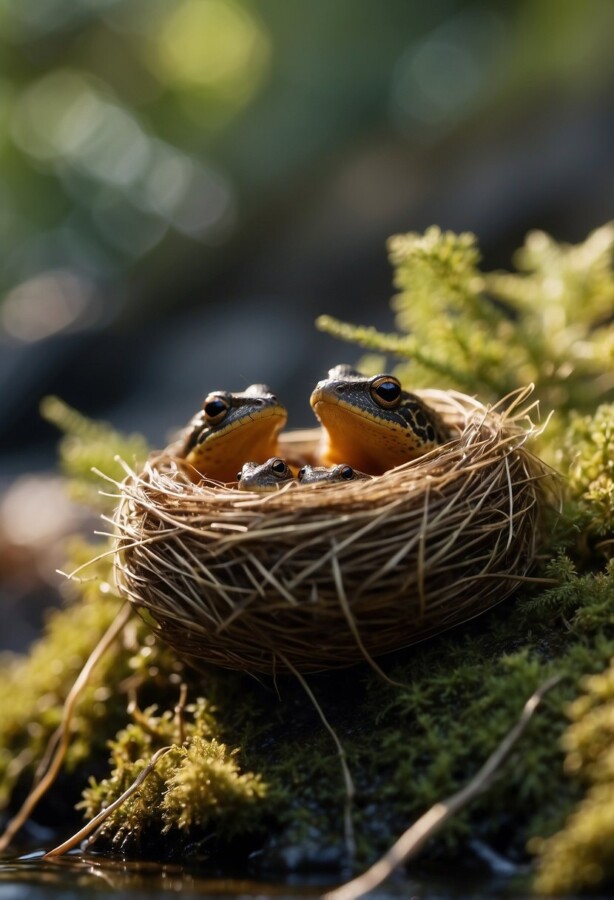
186, 184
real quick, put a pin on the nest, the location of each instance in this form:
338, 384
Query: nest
320, 577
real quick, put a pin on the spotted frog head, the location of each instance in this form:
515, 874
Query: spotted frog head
265, 477
233, 427
339, 474
372, 424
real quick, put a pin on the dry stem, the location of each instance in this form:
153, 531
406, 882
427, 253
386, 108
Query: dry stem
46, 780
94, 823
412, 840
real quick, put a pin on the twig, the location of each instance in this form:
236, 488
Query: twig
350, 840
180, 713
94, 823
41, 788
412, 840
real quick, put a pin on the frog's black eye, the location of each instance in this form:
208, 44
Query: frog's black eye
215, 408
347, 472
302, 472
239, 476
386, 391
279, 467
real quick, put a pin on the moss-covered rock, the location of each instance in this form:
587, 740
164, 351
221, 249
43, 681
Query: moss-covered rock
252, 766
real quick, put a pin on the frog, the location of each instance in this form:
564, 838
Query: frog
371, 423
231, 428
339, 474
265, 477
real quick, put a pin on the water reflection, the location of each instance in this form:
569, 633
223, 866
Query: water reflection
75, 875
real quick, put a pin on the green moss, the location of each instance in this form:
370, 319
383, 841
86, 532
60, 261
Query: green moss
581, 855
34, 689
586, 455
89, 449
198, 785
491, 333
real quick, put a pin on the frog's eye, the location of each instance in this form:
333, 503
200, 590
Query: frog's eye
347, 472
386, 391
302, 472
279, 467
215, 408
239, 476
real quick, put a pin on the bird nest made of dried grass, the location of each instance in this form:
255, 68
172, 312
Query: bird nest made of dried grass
318, 577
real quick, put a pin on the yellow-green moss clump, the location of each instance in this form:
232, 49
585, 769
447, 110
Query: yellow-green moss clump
251, 765
586, 455
34, 688
581, 856
198, 785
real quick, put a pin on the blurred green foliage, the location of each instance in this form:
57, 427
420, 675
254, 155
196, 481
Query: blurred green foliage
89, 450
579, 858
549, 324
586, 454
130, 125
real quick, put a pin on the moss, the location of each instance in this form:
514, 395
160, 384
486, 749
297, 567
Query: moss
586, 454
406, 747
89, 449
581, 855
34, 689
198, 785
549, 323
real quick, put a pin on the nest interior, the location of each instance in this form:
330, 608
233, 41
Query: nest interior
324, 576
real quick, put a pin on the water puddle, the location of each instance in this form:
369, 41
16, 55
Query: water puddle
81, 875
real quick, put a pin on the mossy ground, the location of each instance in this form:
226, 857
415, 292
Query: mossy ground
252, 768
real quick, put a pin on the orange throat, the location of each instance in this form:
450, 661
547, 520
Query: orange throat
357, 440
250, 440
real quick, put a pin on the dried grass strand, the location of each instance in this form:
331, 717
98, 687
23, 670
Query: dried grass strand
345, 606
412, 840
62, 742
350, 791
104, 814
